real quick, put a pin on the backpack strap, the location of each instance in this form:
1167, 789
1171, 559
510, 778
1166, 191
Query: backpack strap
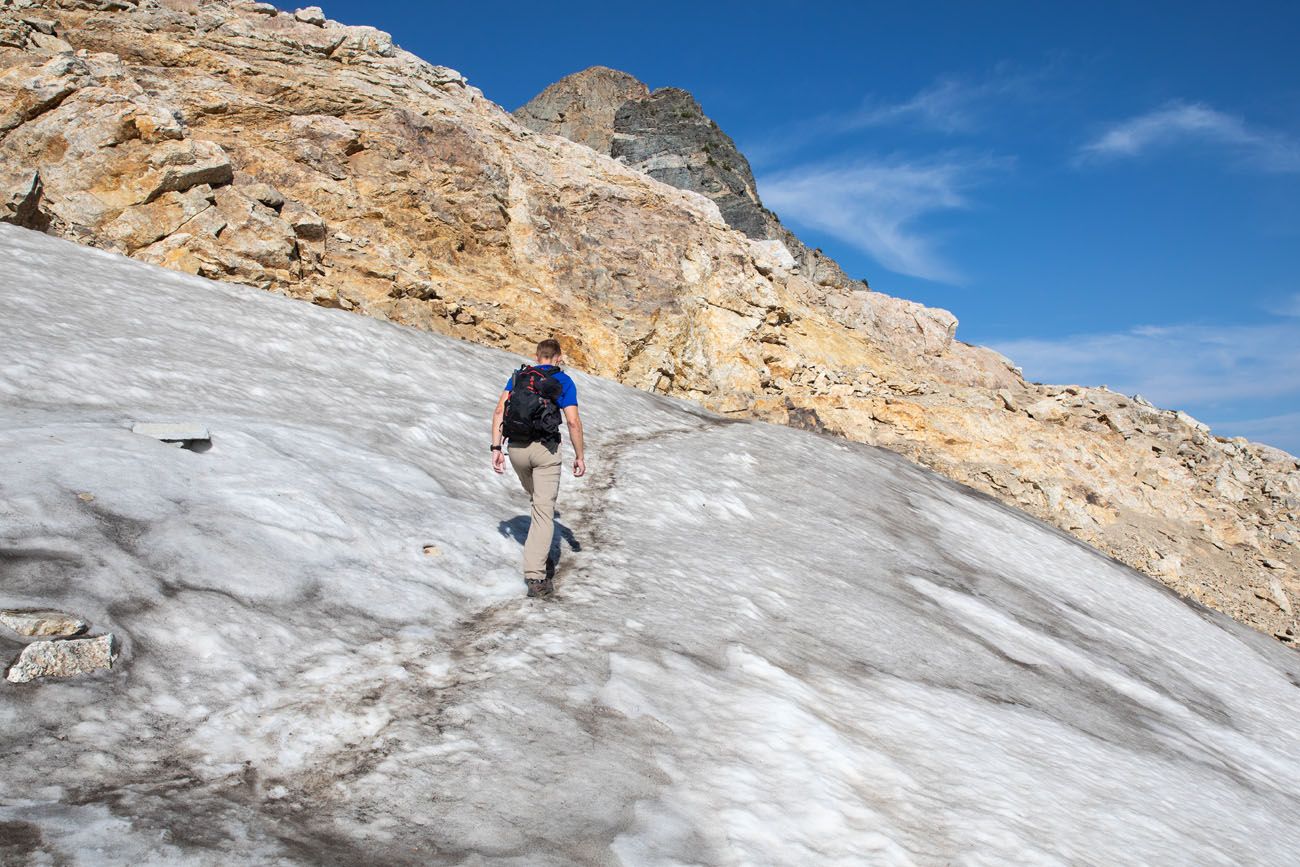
549, 374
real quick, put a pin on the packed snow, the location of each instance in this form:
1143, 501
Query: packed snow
768, 646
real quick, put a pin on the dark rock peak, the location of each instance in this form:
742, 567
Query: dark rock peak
581, 106
667, 135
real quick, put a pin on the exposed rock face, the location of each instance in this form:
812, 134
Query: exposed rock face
66, 658
581, 107
667, 135
408, 196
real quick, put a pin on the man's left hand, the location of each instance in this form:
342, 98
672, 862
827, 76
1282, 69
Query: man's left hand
579, 467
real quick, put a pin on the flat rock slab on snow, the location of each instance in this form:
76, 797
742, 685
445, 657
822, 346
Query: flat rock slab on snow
42, 624
65, 658
172, 432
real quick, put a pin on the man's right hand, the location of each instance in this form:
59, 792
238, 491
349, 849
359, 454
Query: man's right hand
499, 462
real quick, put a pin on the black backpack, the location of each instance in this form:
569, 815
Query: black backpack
532, 413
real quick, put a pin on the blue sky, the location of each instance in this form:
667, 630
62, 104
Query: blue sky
1109, 193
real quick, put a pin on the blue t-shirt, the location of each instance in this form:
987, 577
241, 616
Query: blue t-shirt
568, 391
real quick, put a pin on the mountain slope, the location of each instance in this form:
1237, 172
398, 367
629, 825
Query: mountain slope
320, 161
770, 646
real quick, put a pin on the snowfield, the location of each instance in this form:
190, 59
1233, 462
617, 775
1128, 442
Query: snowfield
769, 646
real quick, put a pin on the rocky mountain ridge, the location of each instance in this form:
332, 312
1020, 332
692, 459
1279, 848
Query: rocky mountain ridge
320, 161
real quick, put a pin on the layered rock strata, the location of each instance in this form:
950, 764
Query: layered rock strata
319, 161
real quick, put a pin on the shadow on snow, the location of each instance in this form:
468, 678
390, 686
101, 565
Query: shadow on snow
517, 528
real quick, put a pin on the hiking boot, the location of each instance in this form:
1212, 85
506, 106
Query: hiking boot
540, 588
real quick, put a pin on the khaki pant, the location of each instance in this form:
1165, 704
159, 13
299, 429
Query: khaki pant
538, 469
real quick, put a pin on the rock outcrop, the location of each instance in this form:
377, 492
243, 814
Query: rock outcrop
20, 199
319, 161
581, 107
667, 135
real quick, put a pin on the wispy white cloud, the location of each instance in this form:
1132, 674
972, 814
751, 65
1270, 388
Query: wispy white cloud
876, 206
1287, 307
1176, 366
1181, 122
949, 106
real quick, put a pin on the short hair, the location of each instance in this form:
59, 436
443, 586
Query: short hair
549, 348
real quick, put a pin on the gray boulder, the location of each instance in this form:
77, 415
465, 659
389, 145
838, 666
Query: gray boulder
311, 15
66, 658
20, 199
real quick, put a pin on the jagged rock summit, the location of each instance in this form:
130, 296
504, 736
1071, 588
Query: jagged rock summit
581, 107
320, 161
667, 135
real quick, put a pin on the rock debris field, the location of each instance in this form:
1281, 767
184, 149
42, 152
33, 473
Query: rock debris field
769, 646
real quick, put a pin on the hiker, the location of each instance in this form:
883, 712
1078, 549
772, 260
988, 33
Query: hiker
527, 418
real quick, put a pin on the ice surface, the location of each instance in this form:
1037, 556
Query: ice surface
770, 647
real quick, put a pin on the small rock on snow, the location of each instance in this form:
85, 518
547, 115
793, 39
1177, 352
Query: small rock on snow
42, 624
62, 658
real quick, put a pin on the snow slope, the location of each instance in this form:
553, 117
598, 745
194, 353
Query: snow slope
770, 647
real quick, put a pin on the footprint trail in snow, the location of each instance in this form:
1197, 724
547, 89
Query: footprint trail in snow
773, 647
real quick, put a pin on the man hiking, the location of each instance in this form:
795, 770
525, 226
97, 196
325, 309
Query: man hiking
527, 418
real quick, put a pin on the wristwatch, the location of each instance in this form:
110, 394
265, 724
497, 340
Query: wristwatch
496, 448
